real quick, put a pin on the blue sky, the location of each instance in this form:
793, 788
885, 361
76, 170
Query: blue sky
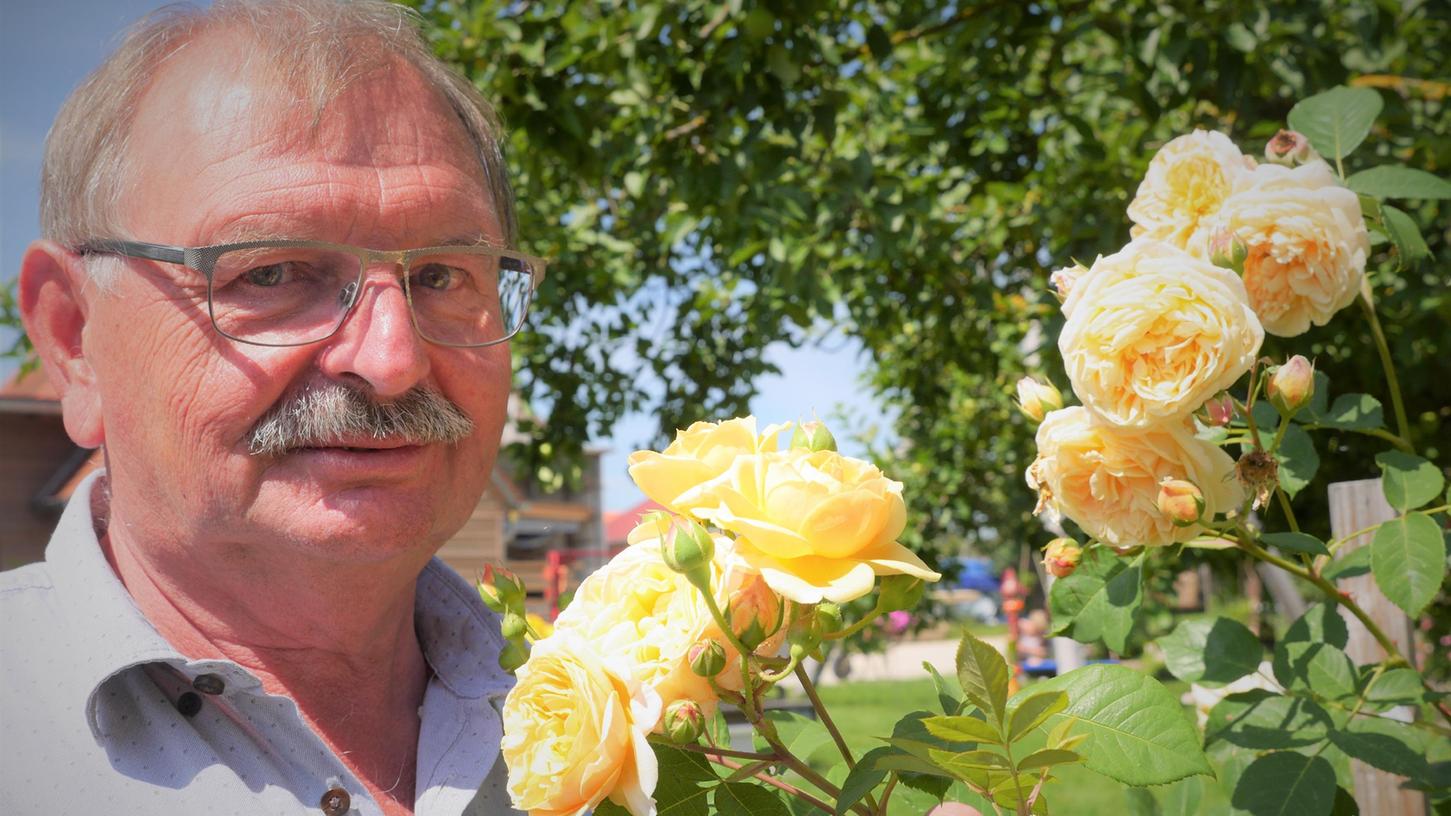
48, 46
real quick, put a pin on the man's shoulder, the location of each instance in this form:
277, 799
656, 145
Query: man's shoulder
29, 583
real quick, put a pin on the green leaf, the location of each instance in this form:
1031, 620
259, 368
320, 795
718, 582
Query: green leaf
1345, 804
1338, 120
1406, 236
1350, 565
956, 762
1385, 744
1393, 181
1033, 710
1100, 600
1298, 460
1046, 758
1138, 733
1211, 651
945, 698
862, 779
1296, 542
1286, 784
1394, 687
1182, 798
1330, 673
1408, 481
963, 728
1141, 802
983, 674
1355, 412
717, 730
1320, 625
746, 799
1408, 557
1261, 719
685, 782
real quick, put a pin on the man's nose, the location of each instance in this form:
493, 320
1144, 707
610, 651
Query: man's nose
377, 342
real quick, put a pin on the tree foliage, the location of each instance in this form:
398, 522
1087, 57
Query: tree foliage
713, 177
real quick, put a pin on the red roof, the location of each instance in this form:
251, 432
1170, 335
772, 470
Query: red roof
618, 525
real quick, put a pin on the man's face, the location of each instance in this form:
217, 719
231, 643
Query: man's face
222, 154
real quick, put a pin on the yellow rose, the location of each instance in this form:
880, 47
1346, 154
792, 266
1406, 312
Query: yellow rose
1307, 245
1152, 333
1107, 478
575, 728
638, 607
1188, 180
818, 525
699, 453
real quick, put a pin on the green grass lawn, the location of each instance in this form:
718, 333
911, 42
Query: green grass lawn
867, 710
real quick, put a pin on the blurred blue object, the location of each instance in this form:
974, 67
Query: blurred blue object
976, 573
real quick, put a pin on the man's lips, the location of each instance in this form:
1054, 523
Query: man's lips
361, 445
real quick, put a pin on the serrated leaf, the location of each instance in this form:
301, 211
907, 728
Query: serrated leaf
1211, 651
862, 779
746, 799
1408, 481
1032, 711
1330, 672
1408, 558
983, 674
1100, 600
1394, 687
1261, 719
1047, 758
1393, 181
962, 728
1405, 235
1385, 744
685, 782
1286, 784
945, 698
955, 762
1338, 120
1296, 542
1321, 624
1137, 731
908, 763
1298, 460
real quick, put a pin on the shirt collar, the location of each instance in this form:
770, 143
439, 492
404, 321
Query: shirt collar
459, 636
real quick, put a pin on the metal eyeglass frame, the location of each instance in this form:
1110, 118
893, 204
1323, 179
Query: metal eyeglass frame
204, 259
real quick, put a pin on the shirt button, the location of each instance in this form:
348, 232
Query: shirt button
209, 684
336, 802
189, 704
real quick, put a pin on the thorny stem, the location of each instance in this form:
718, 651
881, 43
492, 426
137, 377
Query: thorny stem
1392, 383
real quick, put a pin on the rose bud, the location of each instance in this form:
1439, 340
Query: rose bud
1181, 501
707, 658
1292, 385
1227, 250
684, 722
513, 626
688, 549
501, 589
812, 436
1062, 280
900, 592
1220, 410
1036, 399
1289, 148
1061, 557
828, 617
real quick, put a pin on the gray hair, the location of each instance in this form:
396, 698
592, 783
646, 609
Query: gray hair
334, 414
316, 46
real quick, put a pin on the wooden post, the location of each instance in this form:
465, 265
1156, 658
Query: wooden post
1355, 506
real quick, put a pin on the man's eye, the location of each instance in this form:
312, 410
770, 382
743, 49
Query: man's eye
269, 275
437, 277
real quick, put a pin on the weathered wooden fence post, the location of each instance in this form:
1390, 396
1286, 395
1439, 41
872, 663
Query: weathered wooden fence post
1355, 506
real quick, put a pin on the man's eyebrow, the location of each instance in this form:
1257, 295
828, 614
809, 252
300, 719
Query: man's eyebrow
244, 232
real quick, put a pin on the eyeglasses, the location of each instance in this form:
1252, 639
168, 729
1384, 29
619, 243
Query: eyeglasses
291, 293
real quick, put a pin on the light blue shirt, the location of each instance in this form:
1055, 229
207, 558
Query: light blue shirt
100, 714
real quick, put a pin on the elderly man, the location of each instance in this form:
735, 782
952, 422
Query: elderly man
276, 288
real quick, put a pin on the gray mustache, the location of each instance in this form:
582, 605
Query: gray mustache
330, 414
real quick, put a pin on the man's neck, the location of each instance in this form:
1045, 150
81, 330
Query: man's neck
338, 640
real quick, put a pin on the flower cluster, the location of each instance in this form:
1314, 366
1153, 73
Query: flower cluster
756, 548
1223, 250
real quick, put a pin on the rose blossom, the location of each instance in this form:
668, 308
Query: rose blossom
1188, 180
1153, 332
1106, 479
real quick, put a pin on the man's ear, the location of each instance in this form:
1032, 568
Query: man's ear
53, 289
